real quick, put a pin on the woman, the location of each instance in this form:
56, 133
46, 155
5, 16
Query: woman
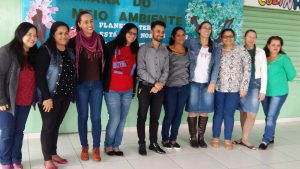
17, 86
177, 88
55, 83
204, 67
232, 83
119, 83
257, 88
89, 49
280, 71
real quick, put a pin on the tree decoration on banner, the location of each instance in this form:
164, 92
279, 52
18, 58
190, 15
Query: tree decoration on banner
220, 15
40, 14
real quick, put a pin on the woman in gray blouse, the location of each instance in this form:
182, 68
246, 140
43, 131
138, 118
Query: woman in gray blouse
232, 83
177, 88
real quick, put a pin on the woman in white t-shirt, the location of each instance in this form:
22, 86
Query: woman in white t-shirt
204, 65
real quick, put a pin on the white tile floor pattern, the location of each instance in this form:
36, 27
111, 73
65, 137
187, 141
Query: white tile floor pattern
284, 154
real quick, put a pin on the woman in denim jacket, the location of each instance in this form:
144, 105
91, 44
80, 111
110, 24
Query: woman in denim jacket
55, 65
204, 68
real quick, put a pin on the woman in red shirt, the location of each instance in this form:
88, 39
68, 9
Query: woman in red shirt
119, 84
17, 86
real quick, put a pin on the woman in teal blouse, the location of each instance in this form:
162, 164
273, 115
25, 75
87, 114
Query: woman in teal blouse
280, 71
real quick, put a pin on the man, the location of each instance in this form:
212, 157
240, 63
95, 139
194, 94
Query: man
152, 69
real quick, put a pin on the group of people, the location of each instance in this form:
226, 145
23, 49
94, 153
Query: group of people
197, 75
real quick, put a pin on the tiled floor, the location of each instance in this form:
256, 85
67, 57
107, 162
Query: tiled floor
284, 154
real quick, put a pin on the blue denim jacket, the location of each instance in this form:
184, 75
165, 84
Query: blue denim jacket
54, 70
194, 47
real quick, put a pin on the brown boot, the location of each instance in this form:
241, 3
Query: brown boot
84, 153
202, 121
96, 154
192, 122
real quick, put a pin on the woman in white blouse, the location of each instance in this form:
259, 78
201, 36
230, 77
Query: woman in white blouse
257, 88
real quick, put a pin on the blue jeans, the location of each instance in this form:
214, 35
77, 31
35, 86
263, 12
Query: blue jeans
118, 104
89, 93
174, 102
225, 106
11, 134
271, 106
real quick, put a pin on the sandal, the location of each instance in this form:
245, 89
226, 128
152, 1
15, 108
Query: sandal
250, 147
228, 145
215, 143
239, 141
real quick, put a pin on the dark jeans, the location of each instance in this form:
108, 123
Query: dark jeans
11, 134
89, 94
225, 106
155, 101
272, 106
174, 102
51, 123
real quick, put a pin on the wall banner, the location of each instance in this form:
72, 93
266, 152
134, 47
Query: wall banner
291, 5
110, 15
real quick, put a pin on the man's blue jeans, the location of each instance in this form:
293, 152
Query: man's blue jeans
89, 93
118, 104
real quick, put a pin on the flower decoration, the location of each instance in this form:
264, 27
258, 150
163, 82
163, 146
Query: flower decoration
40, 14
72, 32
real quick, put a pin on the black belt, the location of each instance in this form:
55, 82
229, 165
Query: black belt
146, 83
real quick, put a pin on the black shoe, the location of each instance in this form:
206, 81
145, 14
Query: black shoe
176, 146
166, 145
263, 146
142, 149
271, 142
155, 147
110, 153
119, 153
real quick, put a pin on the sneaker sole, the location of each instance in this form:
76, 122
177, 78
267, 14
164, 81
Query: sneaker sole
168, 148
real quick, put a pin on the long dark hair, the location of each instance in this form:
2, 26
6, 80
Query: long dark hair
16, 45
174, 31
269, 42
51, 43
210, 42
78, 19
254, 49
120, 40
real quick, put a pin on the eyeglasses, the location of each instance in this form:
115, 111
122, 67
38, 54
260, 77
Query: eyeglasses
209, 29
132, 34
228, 37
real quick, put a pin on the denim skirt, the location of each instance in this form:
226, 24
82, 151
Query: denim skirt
200, 101
250, 102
